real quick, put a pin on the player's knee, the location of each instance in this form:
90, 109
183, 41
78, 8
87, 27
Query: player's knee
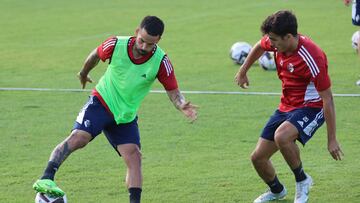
135, 155
131, 154
255, 158
281, 140
78, 139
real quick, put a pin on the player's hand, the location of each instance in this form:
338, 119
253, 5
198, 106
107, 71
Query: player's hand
241, 79
347, 2
189, 110
84, 79
335, 150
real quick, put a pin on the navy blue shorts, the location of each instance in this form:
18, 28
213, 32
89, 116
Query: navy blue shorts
307, 120
356, 13
94, 118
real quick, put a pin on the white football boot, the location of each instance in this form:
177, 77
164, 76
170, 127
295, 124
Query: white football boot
303, 190
270, 196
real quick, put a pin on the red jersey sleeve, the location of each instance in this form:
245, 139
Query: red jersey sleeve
266, 44
106, 49
320, 74
166, 75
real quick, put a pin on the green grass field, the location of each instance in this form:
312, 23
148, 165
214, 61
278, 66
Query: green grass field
44, 44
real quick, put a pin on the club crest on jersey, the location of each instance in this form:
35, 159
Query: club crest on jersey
87, 123
281, 62
290, 67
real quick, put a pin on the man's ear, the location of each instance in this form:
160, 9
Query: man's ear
288, 36
137, 31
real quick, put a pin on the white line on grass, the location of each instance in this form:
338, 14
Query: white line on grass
158, 91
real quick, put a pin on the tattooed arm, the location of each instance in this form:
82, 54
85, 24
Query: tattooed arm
188, 109
91, 61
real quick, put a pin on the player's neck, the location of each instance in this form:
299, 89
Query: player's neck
293, 46
135, 53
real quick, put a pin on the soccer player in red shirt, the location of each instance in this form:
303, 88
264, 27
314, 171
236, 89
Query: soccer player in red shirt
306, 102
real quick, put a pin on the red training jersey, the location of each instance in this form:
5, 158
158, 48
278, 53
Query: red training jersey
303, 74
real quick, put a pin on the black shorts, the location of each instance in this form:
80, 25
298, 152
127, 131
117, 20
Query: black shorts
307, 120
94, 118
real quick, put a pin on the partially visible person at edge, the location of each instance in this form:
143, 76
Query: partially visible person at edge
355, 21
306, 102
134, 64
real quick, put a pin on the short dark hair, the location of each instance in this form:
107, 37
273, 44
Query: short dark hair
280, 23
153, 25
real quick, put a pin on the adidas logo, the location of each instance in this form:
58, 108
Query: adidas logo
301, 123
143, 75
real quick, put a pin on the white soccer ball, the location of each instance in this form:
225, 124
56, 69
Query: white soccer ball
355, 40
239, 51
44, 198
267, 61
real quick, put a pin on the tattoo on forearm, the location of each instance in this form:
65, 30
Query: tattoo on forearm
91, 61
60, 153
178, 99
94, 60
